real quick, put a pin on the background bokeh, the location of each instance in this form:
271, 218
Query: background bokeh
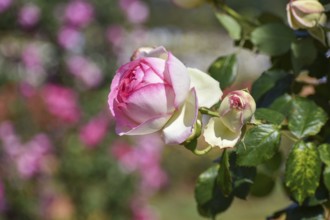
60, 158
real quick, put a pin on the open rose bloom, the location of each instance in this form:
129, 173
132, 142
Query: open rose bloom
157, 92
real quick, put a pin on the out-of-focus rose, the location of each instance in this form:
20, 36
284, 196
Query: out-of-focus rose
85, 70
235, 110
305, 14
156, 92
189, 3
94, 131
4, 5
136, 11
70, 38
61, 102
29, 15
79, 13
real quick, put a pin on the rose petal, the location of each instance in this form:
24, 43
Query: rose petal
207, 89
180, 126
148, 127
177, 75
150, 101
217, 134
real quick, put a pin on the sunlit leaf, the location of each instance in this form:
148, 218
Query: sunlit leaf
303, 170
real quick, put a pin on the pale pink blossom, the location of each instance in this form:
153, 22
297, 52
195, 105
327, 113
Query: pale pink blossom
115, 35
79, 13
4, 5
156, 92
29, 15
61, 102
70, 38
32, 58
85, 70
92, 133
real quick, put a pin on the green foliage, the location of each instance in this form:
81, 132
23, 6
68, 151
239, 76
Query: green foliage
224, 69
259, 144
268, 115
266, 82
224, 177
263, 185
303, 53
209, 198
303, 170
273, 39
306, 118
231, 25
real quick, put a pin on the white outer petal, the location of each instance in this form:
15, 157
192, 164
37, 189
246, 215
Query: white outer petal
217, 134
181, 124
207, 89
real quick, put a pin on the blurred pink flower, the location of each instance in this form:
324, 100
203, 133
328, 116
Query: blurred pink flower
31, 158
4, 5
79, 13
141, 210
126, 156
70, 38
115, 35
29, 15
61, 102
32, 58
2, 197
137, 12
92, 133
86, 70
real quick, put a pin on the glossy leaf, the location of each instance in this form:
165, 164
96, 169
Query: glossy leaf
268, 115
263, 185
242, 177
224, 176
266, 82
306, 118
326, 177
324, 151
231, 25
303, 53
282, 104
224, 69
273, 39
209, 198
258, 145
303, 170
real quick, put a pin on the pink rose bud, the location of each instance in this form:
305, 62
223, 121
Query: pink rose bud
189, 3
236, 109
157, 92
305, 14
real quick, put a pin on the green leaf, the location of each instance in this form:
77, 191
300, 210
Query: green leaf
263, 185
303, 53
282, 104
324, 151
209, 198
274, 163
269, 115
306, 118
326, 177
259, 144
273, 39
242, 177
231, 25
266, 82
224, 176
303, 170
224, 70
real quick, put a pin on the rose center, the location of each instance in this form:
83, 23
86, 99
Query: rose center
236, 102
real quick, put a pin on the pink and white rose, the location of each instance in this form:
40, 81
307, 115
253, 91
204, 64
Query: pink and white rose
157, 92
235, 110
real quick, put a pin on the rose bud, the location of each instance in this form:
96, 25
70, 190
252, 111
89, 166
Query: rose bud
235, 110
305, 14
157, 92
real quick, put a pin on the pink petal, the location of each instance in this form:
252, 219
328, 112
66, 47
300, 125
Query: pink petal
177, 75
